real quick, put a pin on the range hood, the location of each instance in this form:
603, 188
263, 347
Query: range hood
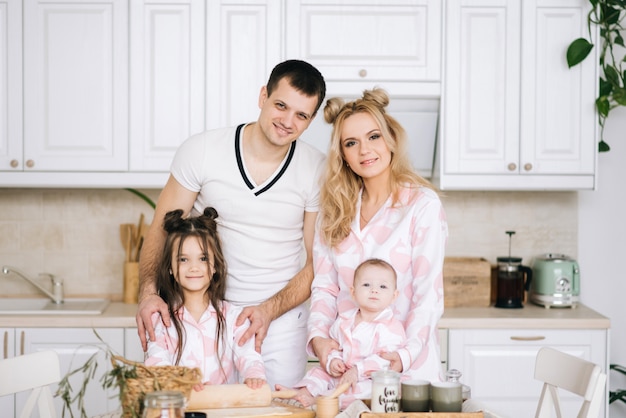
418, 115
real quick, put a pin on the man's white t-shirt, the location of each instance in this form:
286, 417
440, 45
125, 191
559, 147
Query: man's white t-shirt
260, 225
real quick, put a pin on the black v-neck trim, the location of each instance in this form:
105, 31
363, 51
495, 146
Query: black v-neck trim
242, 171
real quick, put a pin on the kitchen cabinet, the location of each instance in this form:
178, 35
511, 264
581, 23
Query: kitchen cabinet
74, 347
111, 88
7, 402
362, 44
75, 86
367, 40
167, 45
245, 41
515, 117
132, 345
499, 364
10, 84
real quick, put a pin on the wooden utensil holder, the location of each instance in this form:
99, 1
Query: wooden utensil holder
131, 282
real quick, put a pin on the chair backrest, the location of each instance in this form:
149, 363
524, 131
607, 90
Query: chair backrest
560, 370
33, 372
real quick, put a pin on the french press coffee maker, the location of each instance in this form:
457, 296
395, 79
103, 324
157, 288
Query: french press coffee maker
513, 278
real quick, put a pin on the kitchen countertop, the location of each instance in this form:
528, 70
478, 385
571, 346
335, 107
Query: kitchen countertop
530, 316
121, 315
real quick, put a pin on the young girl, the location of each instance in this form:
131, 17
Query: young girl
192, 281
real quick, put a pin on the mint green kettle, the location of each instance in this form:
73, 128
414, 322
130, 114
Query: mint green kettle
556, 281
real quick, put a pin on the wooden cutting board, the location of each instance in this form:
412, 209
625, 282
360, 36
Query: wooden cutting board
275, 410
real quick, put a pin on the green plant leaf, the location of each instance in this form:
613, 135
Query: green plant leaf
603, 146
612, 76
618, 38
578, 51
609, 14
619, 95
603, 105
144, 197
605, 87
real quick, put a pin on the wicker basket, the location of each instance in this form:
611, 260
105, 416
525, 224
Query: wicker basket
150, 379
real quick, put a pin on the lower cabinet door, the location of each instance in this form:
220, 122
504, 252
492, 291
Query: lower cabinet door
75, 346
499, 365
7, 402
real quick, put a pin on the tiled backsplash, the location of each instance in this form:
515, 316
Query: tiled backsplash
75, 233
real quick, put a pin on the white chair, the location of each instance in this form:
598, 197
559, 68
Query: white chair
32, 372
560, 370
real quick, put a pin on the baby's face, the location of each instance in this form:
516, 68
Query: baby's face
374, 288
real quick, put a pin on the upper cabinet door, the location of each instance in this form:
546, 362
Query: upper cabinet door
367, 39
10, 85
76, 85
515, 117
246, 42
482, 87
167, 45
558, 130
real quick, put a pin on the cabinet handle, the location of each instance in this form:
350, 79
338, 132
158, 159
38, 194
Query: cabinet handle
22, 343
512, 166
363, 73
529, 338
528, 166
30, 163
14, 163
6, 344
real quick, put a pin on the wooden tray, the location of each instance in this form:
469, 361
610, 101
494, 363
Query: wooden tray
275, 410
423, 415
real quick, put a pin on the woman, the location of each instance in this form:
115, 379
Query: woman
374, 205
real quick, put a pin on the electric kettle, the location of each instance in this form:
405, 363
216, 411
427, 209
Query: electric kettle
556, 281
512, 280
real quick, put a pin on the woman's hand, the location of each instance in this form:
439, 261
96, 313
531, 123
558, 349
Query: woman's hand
395, 362
254, 382
149, 305
322, 347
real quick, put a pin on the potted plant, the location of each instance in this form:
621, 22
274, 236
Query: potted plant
608, 16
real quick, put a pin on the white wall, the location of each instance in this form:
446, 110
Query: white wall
602, 245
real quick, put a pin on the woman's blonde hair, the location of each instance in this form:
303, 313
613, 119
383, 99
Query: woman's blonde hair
341, 186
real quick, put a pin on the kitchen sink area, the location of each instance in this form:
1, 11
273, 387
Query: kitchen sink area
41, 306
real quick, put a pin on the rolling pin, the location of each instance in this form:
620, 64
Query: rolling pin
234, 396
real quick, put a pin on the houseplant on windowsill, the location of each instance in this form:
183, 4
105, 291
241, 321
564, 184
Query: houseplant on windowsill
608, 16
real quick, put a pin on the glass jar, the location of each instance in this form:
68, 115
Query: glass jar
385, 391
453, 375
164, 404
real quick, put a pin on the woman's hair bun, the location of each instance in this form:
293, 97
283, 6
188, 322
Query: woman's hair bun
378, 96
333, 108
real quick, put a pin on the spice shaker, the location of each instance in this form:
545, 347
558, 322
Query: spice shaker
385, 391
164, 404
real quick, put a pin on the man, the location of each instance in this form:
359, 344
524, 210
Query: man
265, 188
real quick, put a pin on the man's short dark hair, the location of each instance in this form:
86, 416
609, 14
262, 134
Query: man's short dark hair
302, 76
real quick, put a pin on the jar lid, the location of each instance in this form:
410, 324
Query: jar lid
164, 399
386, 375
